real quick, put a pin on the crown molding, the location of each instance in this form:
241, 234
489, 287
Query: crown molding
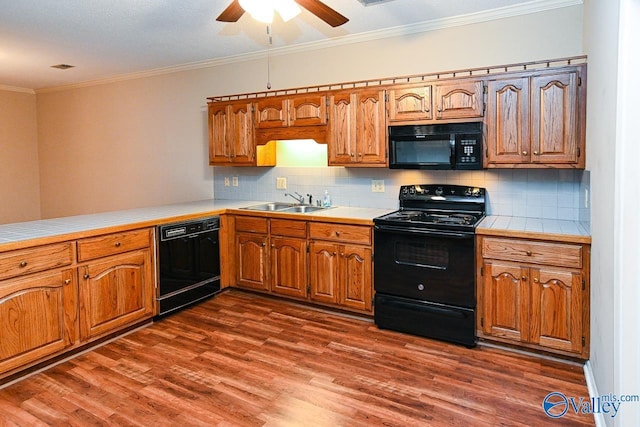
534, 6
17, 89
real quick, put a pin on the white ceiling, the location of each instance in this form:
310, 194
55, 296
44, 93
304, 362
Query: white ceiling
114, 38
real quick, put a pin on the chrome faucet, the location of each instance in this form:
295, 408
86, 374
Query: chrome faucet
299, 198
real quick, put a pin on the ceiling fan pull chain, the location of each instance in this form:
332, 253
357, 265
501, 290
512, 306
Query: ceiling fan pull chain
270, 40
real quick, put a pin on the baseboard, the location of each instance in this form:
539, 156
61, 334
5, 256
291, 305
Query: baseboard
593, 392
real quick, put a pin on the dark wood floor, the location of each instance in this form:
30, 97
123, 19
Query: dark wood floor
245, 360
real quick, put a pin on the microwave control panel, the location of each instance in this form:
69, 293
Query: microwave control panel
468, 153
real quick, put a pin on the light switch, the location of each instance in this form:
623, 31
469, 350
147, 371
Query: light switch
226, 181
234, 181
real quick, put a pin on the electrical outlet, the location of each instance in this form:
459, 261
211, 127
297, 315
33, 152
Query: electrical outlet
281, 183
226, 181
377, 185
234, 180
586, 197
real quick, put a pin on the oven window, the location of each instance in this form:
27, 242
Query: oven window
422, 254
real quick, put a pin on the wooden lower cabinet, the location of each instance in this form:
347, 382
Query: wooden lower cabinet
325, 263
543, 302
252, 261
115, 292
38, 315
289, 266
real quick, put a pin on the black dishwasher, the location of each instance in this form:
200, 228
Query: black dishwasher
189, 263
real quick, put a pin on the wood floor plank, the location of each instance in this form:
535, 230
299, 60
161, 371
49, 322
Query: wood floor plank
241, 359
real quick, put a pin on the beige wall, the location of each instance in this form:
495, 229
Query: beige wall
144, 142
19, 176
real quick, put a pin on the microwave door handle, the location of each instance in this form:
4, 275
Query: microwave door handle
452, 146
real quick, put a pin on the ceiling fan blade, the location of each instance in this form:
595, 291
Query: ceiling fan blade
232, 13
323, 12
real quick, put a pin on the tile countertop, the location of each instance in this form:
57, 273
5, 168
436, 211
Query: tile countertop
535, 228
31, 233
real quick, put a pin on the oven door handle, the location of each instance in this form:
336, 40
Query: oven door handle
413, 231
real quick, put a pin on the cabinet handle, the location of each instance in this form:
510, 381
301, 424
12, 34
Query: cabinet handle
536, 280
525, 153
67, 281
528, 253
118, 244
23, 264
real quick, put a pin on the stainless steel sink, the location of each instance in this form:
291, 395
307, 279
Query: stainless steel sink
272, 206
303, 209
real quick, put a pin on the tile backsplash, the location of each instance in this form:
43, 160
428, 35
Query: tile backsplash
533, 193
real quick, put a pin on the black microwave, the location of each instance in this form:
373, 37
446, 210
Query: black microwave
437, 146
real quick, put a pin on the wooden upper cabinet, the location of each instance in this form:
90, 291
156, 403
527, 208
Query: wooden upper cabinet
409, 103
295, 110
536, 121
272, 113
459, 99
309, 110
508, 138
357, 128
554, 136
231, 140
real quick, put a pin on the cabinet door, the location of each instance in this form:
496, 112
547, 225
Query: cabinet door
240, 135
410, 103
356, 282
556, 308
459, 99
38, 317
308, 110
272, 113
115, 292
506, 301
371, 128
289, 266
341, 137
554, 134
251, 261
323, 260
219, 149
508, 121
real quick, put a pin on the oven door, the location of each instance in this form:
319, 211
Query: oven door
428, 265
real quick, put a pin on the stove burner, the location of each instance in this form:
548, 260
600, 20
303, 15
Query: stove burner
448, 219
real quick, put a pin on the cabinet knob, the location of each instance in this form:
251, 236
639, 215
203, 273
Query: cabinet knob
23, 264
360, 154
528, 253
337, 233
86, 275
525, 153
536, 280
335, 253
264, 243
535, 153
118, 244
341, 254
273, 245
352, 155
524, 278
67, 281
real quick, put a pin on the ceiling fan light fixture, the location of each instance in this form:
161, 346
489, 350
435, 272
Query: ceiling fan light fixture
260, 10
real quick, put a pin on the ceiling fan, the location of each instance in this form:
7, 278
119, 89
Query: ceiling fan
234, 11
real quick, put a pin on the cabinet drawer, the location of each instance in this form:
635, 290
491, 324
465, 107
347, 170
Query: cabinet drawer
111, 244
340, 232
284, 227
251, 224
560, 254
32, 260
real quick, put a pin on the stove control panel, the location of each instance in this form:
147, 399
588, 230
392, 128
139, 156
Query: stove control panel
434, 192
